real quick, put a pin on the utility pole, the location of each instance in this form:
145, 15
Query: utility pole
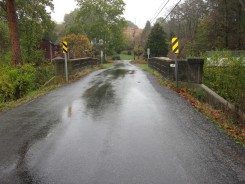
101, 57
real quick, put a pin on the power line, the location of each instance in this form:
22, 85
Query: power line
169, 12
172, 10
157, 10
160, 11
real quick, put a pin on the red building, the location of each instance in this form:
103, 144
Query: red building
51, 50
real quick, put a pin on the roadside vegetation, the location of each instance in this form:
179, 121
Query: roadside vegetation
126, 57
40, 90
225, 74
16, 82
23, 68
27, 98
107, 65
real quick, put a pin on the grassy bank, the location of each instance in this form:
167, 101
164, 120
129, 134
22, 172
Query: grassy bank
17, 82
29, 97
144, 67
126, 57
107, 65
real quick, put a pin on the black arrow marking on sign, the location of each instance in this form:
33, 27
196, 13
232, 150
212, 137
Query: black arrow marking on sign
175, 42
65, 51
177, 49
65, 45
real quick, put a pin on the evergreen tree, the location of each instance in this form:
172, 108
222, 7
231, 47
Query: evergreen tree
157, 41
145, 33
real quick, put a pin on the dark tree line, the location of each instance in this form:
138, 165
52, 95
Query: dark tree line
208, 25
203, 25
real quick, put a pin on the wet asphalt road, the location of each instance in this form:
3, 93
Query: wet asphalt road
115, 126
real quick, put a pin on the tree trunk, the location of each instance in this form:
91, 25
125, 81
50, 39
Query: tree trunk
226, 26
239, 27
14, 34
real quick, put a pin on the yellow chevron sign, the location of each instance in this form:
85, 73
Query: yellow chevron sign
65, 47
175, 45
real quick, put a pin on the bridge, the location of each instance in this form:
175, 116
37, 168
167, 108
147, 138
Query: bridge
116, 125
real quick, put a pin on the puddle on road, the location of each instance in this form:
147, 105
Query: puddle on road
117, 73
69, 112
119, 65
131, 72
99, 97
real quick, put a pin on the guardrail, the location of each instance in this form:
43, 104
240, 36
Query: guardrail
190, 70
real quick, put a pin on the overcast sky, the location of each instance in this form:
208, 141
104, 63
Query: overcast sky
137, 11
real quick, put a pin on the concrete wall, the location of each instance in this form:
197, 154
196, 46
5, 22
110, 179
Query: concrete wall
190, 70
216, 101
74, 65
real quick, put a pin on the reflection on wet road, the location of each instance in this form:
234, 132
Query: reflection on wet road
115, 126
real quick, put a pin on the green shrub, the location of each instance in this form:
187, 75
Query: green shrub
6, 58
225, 74
18, 82
116, 57
44, 73
33, 56
199, 94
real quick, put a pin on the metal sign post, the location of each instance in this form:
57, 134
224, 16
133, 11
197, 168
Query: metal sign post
176, 71
101, 56
175, 49
148, 53
65, 51
66, 68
